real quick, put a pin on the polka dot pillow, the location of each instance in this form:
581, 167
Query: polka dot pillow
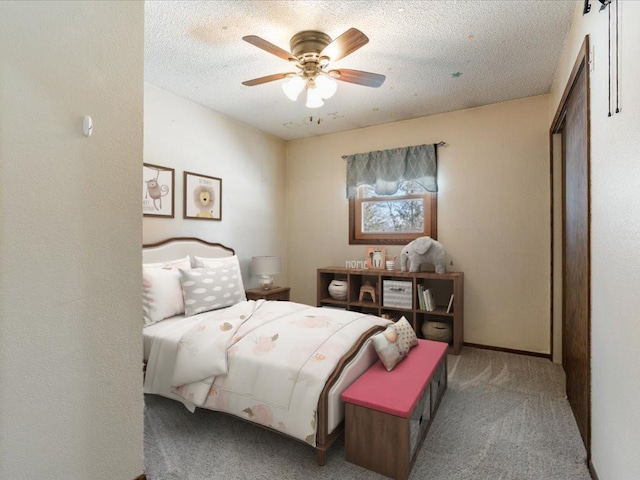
394, 343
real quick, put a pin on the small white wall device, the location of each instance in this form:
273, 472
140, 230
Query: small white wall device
87, 126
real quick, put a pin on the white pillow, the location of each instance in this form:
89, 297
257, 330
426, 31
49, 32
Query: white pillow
174, 264
161, 294
205, 262
161, 290
211, 288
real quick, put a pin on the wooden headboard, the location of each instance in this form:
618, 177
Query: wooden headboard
180, 247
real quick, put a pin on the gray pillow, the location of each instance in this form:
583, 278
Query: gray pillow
211, 288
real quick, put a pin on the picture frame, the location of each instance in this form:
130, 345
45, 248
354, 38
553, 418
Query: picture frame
375, 258
158, 187
202, 197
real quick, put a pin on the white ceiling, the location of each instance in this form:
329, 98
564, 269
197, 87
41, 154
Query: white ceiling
438, 56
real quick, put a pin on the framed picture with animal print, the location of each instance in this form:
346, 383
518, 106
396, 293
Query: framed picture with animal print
375, 258
158, 185
202, 197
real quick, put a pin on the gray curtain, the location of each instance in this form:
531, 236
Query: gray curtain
385, 169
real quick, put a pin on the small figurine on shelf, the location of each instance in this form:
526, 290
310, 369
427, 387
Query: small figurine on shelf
367, 288
391, 263
423, 250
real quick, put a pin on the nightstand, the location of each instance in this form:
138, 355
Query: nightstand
275, 293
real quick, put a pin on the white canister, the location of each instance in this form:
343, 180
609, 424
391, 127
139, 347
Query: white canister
338, 289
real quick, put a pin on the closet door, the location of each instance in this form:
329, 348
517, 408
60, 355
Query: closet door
576, 331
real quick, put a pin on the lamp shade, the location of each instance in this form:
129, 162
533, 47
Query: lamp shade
326, 85
293, 86
314, 97
265, 265
265, 268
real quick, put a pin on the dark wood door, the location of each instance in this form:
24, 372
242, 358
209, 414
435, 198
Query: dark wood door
576, 328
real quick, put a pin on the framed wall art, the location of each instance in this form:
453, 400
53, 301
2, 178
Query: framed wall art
375, 258
202, 197
158, 185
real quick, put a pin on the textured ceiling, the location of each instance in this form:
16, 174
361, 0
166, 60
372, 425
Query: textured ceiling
438, 56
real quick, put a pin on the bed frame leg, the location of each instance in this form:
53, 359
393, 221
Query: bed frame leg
321, 457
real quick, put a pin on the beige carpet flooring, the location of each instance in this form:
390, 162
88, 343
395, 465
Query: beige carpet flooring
503, 417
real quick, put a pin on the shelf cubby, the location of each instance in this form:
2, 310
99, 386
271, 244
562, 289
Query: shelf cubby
442, 286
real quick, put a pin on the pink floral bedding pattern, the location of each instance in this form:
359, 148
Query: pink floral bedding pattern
266, 361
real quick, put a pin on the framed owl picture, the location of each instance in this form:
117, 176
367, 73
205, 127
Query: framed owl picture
158, 185
202, 197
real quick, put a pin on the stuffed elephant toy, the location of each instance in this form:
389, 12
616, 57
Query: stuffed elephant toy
423, 250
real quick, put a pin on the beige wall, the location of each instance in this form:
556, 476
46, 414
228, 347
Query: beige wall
615, 234
182, 135
70, 337
493, 212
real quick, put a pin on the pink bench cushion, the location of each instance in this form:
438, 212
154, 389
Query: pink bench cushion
397, 392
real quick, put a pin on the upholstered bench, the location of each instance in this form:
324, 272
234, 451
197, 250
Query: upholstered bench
388, 414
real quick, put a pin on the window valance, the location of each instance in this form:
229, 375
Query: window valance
385, 169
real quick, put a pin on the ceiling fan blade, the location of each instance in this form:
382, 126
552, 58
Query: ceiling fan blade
347, 43
358, 76
269, 47
268, 78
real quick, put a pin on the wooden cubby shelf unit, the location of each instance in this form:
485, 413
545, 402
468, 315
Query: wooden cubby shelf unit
441, 285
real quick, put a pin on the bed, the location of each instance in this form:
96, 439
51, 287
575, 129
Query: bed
280, 365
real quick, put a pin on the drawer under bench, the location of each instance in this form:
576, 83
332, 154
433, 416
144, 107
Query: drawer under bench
388, 414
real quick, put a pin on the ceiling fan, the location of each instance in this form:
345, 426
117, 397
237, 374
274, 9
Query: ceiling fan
311, 53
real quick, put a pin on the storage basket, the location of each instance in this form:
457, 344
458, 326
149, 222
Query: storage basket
397, 294
438, 331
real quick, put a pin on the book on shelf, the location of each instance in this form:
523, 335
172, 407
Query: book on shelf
450, 306
425, 299
421, 297
429, 302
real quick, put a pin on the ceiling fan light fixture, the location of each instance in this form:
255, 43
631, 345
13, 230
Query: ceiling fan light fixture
312, 52
326, 85
293, 86
314, 97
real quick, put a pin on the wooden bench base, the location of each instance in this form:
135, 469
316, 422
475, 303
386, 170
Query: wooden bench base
388, 443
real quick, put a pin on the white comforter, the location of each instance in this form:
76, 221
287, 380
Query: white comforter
264, 361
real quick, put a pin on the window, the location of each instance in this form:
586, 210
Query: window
392, 195
392, 219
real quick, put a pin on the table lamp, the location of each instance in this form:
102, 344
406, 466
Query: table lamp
266, 268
